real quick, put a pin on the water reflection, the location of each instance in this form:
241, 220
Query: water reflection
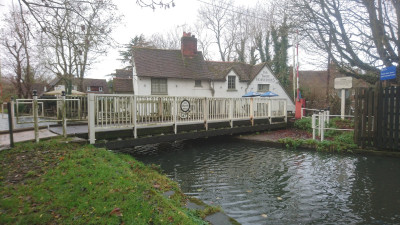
260, 185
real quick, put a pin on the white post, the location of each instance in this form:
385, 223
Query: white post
175, 115
91, 118
301, 112
319, 123
343, 103
35, 116
231, 112
64, 115
205, 113
313, 120
322, 127
327, 116
134, 113
285, 110
252, 111
270, 110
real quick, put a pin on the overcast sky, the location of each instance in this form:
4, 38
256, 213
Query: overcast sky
137, 20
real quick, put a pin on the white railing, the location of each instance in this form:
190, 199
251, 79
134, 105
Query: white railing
109, 111
320, 123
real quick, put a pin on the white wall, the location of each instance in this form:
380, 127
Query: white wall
266, 77
221, 88
176, 87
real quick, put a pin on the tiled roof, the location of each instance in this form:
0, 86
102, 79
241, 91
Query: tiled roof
86, 82
123, 73
246, 72
169, 64
123, 85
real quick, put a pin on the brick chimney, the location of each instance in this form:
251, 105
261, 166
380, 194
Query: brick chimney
188, 45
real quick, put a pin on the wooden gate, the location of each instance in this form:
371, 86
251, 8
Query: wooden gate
377, 115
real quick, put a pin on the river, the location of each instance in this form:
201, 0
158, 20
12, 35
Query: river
256, 184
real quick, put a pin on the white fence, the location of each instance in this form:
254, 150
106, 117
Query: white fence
320, 123
110, 111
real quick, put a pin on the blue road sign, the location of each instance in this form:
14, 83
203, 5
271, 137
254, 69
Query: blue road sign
388, 73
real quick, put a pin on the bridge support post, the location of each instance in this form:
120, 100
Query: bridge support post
91, 118
134, 114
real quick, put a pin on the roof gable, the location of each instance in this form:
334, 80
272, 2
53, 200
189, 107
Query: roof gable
246, 72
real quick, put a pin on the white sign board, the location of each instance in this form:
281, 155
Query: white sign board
343, 82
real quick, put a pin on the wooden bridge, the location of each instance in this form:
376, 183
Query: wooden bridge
171, 118
153, 119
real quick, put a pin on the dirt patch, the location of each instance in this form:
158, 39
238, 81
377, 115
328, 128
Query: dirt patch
278, 134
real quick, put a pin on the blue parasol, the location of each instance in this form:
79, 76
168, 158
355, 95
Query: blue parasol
269, 94
251, 94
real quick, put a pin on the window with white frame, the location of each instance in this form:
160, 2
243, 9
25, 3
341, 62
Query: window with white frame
100, 88
231, 83
159, 86
263, 87
88, 88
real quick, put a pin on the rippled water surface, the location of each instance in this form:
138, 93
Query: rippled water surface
260, 185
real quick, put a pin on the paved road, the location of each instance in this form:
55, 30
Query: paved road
4, 123
24, 136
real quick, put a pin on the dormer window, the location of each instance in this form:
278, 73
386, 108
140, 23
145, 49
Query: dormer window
231, 82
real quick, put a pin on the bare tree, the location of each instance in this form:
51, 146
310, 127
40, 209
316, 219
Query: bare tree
18, 44
73, 43
360, 36
216, 17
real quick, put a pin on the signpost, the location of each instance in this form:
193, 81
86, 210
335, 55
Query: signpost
388, 73
343, 83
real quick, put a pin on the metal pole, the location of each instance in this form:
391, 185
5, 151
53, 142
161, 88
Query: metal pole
35, 116
10, 124
13, 110
64, 114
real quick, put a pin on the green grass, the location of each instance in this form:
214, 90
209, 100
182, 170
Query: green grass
336, 140
51, 182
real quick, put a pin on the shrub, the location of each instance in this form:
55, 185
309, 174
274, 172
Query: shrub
303, 124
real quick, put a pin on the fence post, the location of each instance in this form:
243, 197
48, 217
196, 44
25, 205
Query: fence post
301, 113
13, 110
313, 125
252, 111
134, 114
319, 123
285, 110
322, 127
91, 118
270, 110
175, 114
64, 114
231, 112
35, 116
10, 123
205, 113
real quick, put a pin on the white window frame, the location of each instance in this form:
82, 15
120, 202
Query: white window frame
88, 88
263, 90
231, 82
100, 89
159, 86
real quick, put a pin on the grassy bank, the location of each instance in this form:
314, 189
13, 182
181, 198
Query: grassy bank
335, 141
54, 182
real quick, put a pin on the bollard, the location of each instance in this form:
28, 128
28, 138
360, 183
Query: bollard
35, 116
